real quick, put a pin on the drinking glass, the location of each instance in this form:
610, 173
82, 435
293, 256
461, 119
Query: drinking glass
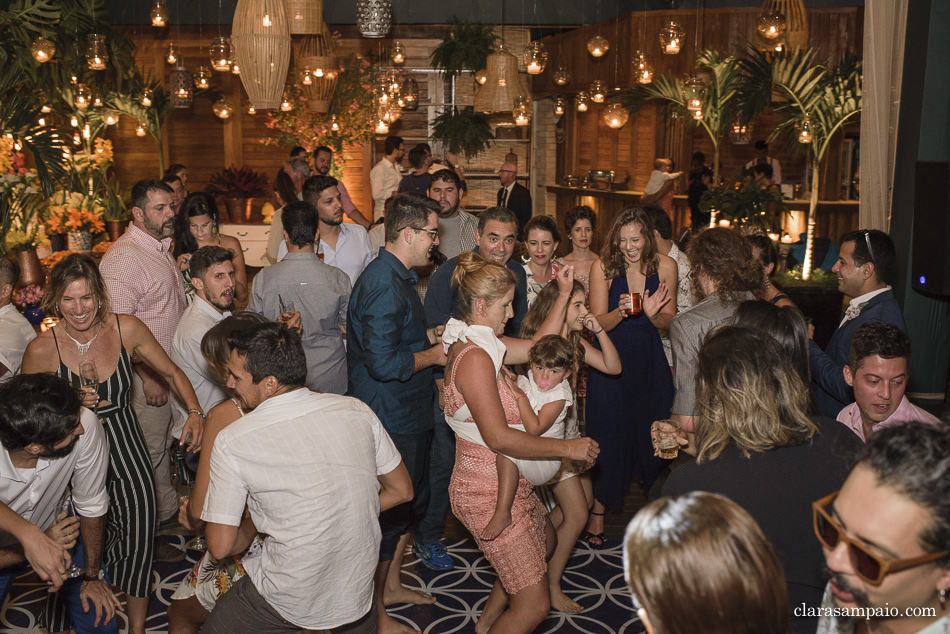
667, 441
88, 377
196, 543
66, 506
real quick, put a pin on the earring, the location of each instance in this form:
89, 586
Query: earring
943, 597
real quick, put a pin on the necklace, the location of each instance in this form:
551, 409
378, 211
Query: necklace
83, 347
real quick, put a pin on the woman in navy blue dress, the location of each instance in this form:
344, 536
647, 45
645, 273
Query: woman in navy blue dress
621, 408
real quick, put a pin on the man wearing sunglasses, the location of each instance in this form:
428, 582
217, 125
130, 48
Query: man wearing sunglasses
865, 268
886, 537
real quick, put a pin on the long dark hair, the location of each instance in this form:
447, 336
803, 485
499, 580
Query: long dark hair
612, 258
197, 204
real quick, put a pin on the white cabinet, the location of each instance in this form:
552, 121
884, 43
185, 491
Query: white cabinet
253, 239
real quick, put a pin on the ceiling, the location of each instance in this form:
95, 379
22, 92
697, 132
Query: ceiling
516, 12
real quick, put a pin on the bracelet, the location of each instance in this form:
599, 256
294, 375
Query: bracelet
197, 411
598, 332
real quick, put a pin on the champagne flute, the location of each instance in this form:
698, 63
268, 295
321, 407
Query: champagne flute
88, 377
66, 506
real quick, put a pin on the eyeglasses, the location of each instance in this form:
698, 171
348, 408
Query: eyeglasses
867, 565
867, 241
433, 233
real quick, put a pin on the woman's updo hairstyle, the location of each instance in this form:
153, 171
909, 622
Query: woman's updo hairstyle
475, 277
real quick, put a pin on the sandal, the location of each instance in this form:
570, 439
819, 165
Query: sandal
595, 541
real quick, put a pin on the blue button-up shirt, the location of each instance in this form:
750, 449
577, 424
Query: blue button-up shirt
386, 327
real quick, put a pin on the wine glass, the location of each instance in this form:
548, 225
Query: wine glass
88, 377
66, 506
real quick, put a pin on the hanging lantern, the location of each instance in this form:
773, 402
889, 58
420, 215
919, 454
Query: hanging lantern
582, 101
220, 53
77, 139
597, 92
235, 69
334, 126
171, 53
771, 24
316, 53
74, 121
374, 17
304, 17
159, 14
42, 50
181, 88
671, 38
561, 77
222, 109
698, 115
261, 40
82, 96
96, 52
615, 116
140, 130
740, 133
41, 121
409, 94
560, 106
503, 84
285, 105
481, 76
97, 101
86, 132
694, 90
804, 131
110, 117
399, 53
521, 110
203, 78
535, 58
251, 109
146, 97
381, 127
597, 46
643, 70
307, 79
45, 109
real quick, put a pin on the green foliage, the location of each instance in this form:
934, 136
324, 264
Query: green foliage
741, 204
463, 131
233, 182
466, 46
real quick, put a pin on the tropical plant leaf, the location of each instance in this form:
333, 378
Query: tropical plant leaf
463, 131
466, 46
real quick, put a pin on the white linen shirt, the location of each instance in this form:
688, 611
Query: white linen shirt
197, 319
34, 494
383, 180
306, 465
16, 333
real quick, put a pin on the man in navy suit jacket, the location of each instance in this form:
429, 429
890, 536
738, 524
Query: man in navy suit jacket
866, 263
514, 196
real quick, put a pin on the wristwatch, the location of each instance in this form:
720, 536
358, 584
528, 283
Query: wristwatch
98, 576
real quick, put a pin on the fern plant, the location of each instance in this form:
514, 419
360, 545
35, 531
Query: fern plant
465, 46
463, 131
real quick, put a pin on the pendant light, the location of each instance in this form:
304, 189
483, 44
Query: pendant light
399, 53
220, 54
96, 52
42, 50
171, 53
582, 101
374, 17
503, 83
598, 46
771, 24
561, 77
159, 14
521, 110
615, 115
535, 58
181, 88
642, 69
261, 39
671, 38
597, 91
222, 109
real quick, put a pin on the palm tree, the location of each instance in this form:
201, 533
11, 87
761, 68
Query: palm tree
818, 102
720, 103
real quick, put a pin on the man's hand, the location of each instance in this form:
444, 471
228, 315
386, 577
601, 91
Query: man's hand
184, 262
100, 595
156, 392
46, 556
64, 530
435, 334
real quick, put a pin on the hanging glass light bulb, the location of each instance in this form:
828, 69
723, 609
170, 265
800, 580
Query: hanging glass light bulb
409, 94
560, 107
521, 110
147, 97
307, 79
615, 116
171, 53
181, 88
74, 121
597, 91
334, 125
771, 24
597, 46
582, 101
671, 38
140, 130
694, 90
235, 69
42, 50
203, 78
561, 76
110, 117
251, 109
159, 14
222, 109
804, 131
399, 53
96, 101
82, 96
220, 54
643, 70
381, 127
535, 58
97, 54
285, 105
481, 76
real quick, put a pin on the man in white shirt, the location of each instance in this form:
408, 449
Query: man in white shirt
50, 442
314, 470
385, 176
212, 276
342, 244
15, 331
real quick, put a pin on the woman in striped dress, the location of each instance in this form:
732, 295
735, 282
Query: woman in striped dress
88, 333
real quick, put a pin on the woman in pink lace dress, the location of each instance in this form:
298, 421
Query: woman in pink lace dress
481, 403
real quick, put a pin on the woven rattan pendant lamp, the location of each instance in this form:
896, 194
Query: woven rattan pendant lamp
304, 17
261, 40
316, 57
503, 84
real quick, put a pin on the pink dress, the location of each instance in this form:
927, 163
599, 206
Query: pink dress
518, 553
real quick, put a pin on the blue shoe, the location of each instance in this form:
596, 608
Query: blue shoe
433, 556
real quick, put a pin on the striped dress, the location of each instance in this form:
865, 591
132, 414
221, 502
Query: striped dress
130, 523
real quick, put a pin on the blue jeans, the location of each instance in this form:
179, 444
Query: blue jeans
441, 463
402, 519
67, 597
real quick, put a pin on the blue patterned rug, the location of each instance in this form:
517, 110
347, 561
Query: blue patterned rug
594, 578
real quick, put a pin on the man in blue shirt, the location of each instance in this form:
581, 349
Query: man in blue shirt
390, 356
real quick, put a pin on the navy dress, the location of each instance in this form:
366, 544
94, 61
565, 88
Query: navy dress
621, 408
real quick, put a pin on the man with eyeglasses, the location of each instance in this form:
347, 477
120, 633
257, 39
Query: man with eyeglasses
390, 356
865, 268
886, 537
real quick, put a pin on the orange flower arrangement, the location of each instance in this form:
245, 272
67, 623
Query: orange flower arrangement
76, 213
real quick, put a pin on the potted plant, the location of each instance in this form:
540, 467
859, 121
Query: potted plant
743, 204
465, 46
238, 187
77, 216
115, 213
463, 131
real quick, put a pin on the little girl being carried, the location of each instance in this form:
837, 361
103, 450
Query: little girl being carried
544, 397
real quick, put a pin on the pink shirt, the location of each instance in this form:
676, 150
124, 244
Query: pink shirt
905, 413
144, 281
345, 199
